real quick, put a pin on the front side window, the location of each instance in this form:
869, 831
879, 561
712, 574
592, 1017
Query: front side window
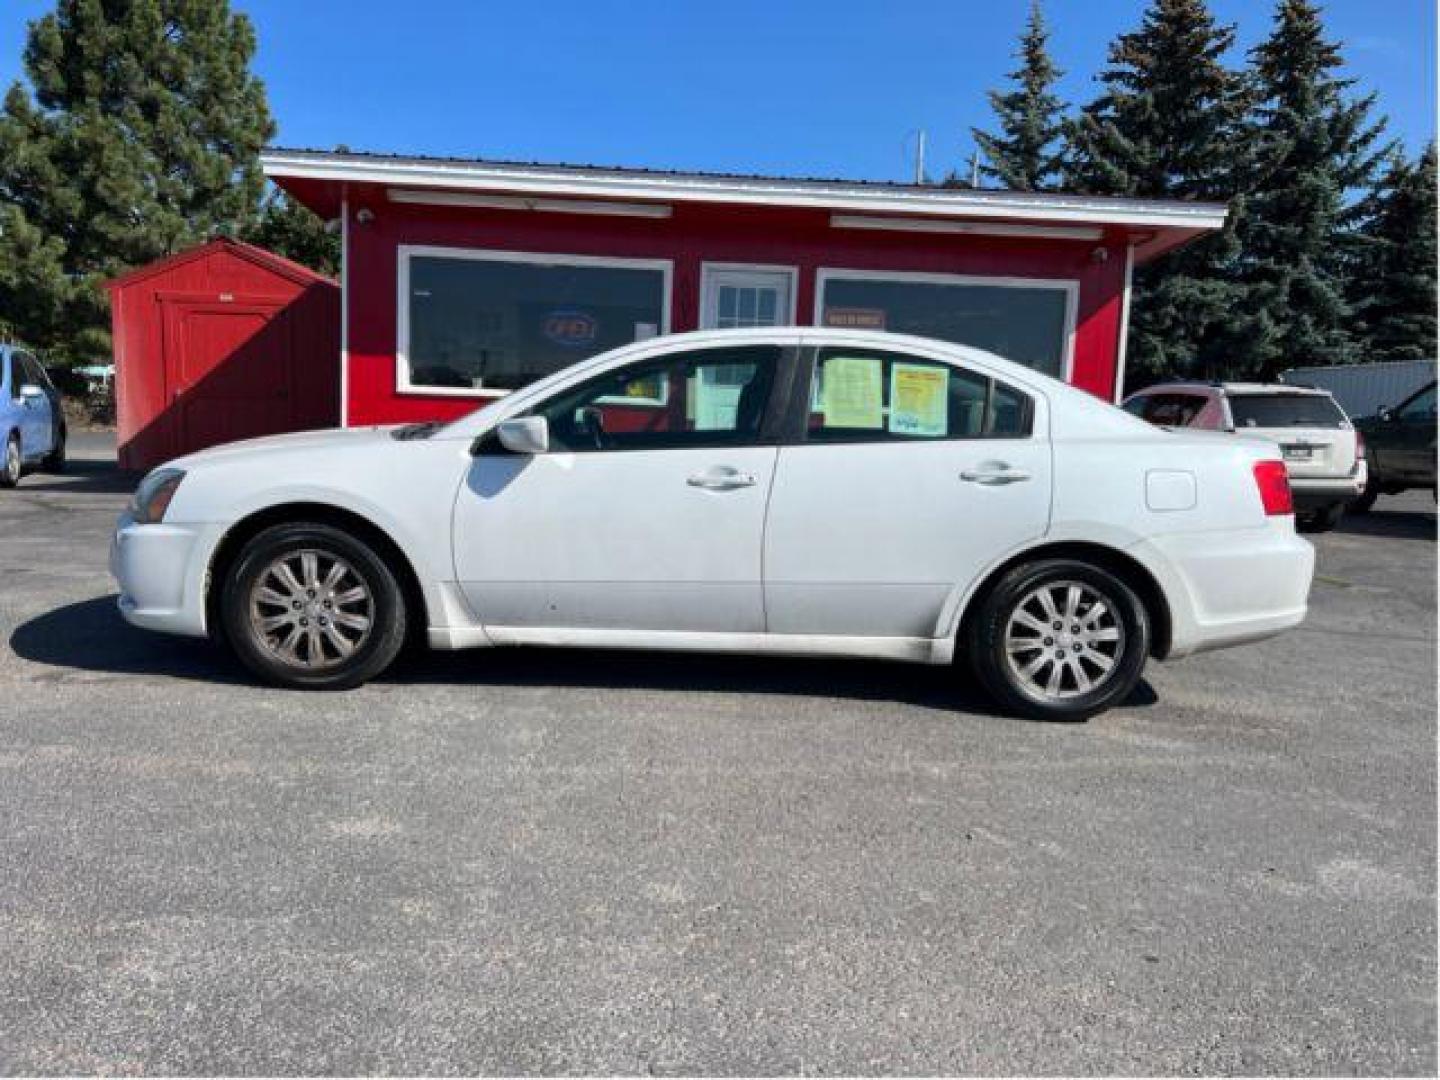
1285, 410
1024, 323
859, 395
495, 323
709, 397
1420, 408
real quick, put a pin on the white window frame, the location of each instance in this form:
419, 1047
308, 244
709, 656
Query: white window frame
1069, 286
404, 253
707, 295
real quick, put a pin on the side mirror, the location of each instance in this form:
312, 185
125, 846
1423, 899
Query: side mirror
31, 394
524, 434
1386, 416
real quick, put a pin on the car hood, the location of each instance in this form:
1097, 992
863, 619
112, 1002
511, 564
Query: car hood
273, 445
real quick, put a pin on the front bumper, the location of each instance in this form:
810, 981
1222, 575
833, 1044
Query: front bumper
161, 572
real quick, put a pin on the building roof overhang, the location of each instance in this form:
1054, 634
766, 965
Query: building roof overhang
320, 179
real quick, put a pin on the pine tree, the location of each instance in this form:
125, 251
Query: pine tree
1169, 124
290, 229
1314, 146
142, 137
1026, 155
1392, 286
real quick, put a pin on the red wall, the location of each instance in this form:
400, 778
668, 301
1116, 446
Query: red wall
694, 234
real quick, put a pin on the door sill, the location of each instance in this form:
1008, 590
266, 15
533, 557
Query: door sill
915, 650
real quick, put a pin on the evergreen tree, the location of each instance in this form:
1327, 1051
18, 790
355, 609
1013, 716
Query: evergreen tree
1169, 124
1392, 284
1314, 146
141, 137
290, 229
1026, 156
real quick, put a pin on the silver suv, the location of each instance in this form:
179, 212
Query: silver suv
1323, 453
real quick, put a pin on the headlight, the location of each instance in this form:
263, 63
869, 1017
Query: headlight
152, 497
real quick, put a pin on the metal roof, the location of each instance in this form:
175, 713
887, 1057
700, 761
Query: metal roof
544, 178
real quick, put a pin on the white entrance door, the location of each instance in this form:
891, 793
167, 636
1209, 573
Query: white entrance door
737, 297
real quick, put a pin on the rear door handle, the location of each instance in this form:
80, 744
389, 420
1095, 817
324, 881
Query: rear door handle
994, 474
721, 478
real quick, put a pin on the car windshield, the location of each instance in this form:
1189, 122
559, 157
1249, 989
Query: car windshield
1285, 410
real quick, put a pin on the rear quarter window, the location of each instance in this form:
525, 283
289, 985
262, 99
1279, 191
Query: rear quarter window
1285, 410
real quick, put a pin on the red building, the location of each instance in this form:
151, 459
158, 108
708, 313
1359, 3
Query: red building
221, 342
464, 279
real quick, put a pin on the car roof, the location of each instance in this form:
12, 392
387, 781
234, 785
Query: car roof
1238, 389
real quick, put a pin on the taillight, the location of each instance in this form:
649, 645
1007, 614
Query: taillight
1359, 446
1274, 484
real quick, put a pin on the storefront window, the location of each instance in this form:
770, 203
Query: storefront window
1028, 324
498, 322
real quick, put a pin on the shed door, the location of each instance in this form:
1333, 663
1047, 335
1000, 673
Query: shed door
227, 370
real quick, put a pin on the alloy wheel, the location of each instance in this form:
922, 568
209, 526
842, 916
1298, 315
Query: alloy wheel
1063, 640
312, 609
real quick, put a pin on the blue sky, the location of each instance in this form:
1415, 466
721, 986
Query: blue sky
799, 88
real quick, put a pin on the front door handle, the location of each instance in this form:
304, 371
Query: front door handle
994, 474
721, 478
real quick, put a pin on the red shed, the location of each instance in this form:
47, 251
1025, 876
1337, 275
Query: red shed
464, 279
225, 341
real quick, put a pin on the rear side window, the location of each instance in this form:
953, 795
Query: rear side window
1285, 410
1167, 410
859, 395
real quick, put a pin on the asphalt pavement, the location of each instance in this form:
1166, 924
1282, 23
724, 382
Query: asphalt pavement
590, 862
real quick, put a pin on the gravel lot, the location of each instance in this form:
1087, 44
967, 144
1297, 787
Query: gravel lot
597, 862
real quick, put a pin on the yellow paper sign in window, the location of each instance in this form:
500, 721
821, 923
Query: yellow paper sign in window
851, 392
919, 397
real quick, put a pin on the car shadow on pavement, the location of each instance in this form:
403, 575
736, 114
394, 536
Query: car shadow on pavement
919, 685
91, 636
83, 477
1400, 524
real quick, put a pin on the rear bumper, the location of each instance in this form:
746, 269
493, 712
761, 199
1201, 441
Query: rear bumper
161, 573
1312, 493
1231, 587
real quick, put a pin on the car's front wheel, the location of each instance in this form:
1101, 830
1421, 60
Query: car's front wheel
1059, 639
312, 607
12, 465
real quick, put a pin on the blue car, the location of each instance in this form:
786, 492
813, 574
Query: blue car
32, 426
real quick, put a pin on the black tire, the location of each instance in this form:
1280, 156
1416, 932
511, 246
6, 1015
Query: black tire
1366, 500
1322, 520
55, 460
385, 609
12, 466
987, 645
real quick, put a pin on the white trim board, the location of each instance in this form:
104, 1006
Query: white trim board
405, 252
501, 178
1069, 286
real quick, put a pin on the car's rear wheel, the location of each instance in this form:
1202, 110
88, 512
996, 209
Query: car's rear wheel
1322, 520
312, 607
1365, 502
55, 460
12, 465
1059, 639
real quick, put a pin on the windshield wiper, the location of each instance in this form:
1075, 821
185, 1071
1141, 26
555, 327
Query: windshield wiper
417, 431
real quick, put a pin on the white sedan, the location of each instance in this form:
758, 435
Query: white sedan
799, 490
